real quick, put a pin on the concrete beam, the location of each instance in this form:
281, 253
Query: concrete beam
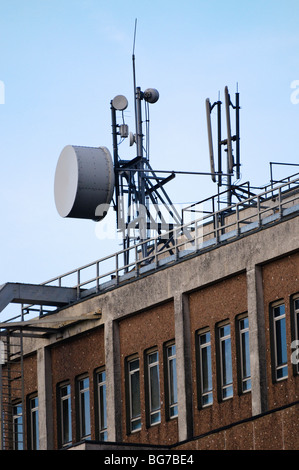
45, 409
35, 294
183, 362
257, 340
113, 377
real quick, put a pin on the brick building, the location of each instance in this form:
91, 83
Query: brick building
196, 349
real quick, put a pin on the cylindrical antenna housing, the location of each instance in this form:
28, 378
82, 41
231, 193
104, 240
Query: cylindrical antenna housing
229, 137
84, 179
210, 139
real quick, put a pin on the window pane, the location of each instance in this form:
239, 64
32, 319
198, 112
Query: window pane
226, 362
244, 323
154, 403
279, 310
135, 391
206, 369
246, 385
17, 427
66, 421
245, 354
225, 330
171, 350
134, 365
65, 414
227, 392
84, 383
205, 338
155, 388
103, 408
84, 407
155, 417
65, 390
282, 372
281, 341
153, 357
207, 399
34, 424
87, 414
136, 425
173, 381
35, 436
173, 411
134, 395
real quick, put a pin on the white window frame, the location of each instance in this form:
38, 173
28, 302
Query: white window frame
102, 404
62, 400
18, 427
275, 319
245, 380
172, 381
296, 329
206, 398
225, 387
34, 427
84, 411
154, 414
134, 421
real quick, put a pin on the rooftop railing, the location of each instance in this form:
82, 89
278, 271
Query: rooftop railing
207, 231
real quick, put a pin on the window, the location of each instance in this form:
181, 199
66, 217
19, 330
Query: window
133, 374
18, 427
84, 408
244, 354
295, 344
101, 405
204, 368
65, 415
153, 388
225, 362
279, 343
171, 381
33, 424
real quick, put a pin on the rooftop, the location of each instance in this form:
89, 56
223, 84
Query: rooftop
207, 228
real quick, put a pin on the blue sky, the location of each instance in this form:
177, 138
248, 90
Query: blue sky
62, 61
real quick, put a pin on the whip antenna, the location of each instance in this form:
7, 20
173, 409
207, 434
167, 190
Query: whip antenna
134, 73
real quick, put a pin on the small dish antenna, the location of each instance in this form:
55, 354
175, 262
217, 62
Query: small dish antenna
120, 102
151, 95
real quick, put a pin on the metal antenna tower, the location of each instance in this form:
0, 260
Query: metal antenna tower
96, 180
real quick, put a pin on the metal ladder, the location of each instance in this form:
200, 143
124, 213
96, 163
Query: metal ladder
12, 391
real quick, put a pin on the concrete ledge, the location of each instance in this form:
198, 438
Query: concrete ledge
36, 294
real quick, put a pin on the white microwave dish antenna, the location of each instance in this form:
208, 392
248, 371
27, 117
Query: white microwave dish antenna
84, 179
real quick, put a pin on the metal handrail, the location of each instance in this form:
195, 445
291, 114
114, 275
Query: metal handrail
205, 228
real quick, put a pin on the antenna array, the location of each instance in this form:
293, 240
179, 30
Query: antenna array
233, 162
88, 181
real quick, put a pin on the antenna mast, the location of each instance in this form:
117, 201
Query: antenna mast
144, 211
233, 164
136, 182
